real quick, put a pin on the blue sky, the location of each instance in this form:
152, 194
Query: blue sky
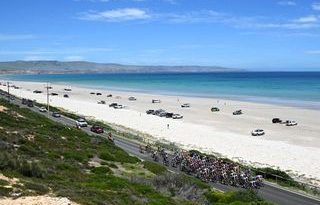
249, 34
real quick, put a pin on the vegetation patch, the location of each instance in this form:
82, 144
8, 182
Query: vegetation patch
57, 160
154, 167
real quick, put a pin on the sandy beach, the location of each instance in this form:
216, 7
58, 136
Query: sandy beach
293, 149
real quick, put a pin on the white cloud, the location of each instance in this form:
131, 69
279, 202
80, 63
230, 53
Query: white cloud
287, 3
307, 19
209, 16
205, 16
12, 37
286, 25
116, 15
316, 6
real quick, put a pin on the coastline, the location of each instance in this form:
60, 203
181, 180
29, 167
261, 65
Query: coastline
289, 148
290, 89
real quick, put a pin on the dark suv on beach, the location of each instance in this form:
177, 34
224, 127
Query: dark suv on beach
113, 105
276, 120
150, 112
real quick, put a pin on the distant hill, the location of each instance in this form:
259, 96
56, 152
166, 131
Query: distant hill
17, 67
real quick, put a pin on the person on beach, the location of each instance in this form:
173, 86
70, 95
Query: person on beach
168, 126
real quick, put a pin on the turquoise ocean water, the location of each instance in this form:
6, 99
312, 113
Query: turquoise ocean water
290, 88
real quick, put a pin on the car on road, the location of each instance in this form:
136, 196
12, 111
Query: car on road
257, 132
29, 103
81, 122
237, 112
185, 105
177, 116
149, 112
276, 120
24, 101
56, 114
42, 109
97, 129
66, 96
54, 94
291, 123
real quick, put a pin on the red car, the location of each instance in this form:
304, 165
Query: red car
97, 129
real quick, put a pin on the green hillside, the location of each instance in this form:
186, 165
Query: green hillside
50, 158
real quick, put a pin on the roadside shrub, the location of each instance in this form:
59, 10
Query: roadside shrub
106, 156
101, 170
31, 169
38, 188
67, 167
269, 173
4, 191
154, 167
239, 197
3, 182
75, 156
112, 165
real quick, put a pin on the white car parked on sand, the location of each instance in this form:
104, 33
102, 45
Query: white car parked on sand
81, 122
291, 123
177, 116
119, 107
257, 132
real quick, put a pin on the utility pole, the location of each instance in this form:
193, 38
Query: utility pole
48, 101
8, 86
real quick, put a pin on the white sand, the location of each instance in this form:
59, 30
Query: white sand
295, 149
36, 200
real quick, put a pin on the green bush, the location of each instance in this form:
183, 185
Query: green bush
3, 182
101, 170
37, 187
4, 191
106, 156
32, 169
78, 156
154, 167
239, 197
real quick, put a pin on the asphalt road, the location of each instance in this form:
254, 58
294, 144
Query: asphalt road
269, 192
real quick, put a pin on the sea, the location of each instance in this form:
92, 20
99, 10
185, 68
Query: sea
300, 89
